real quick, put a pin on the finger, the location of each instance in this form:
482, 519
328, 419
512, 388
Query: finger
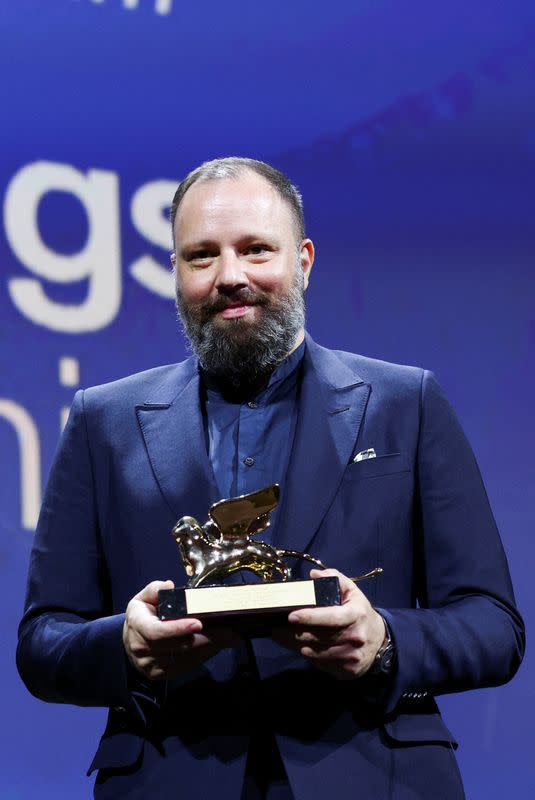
295, 638
153, 630
210, 637
324, 617
162, 648
347, 586
322, 637
185, 656
149, 594
139, 647
353, 605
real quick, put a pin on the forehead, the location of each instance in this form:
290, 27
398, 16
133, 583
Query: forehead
247, 204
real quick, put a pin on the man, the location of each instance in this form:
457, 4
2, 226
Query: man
374, 471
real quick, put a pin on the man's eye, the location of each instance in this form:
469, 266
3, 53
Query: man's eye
256, 249
199, 255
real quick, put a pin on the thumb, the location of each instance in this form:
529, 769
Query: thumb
347, 587
150, 593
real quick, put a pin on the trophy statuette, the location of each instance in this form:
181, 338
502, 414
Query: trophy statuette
223, 546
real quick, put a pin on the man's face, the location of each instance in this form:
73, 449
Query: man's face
240, 275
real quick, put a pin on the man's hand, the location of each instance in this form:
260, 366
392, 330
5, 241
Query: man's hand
167, 649
342, 640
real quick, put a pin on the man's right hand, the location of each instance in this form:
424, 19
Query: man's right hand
166, 650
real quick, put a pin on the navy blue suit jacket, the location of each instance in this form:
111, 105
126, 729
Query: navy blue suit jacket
133, 459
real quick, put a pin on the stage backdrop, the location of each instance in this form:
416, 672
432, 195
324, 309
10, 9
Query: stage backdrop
410, 128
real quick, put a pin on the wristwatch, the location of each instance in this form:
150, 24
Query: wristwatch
385, 660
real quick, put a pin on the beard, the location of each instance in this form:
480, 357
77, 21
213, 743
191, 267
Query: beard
238, 350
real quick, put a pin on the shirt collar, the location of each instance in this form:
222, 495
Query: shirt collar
283, 372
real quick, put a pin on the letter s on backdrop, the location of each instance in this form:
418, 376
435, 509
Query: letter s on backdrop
148, 206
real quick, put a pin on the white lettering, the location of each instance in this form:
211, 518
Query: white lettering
147, 209
163, 7
160, 6
99, 262
29, 459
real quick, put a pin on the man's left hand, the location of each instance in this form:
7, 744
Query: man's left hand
342, 640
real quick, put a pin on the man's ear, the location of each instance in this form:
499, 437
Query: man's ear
172, 258
306, 256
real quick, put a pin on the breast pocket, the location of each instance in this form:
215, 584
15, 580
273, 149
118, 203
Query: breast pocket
389, 464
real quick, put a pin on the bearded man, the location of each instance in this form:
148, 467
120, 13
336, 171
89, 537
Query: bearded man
374, 469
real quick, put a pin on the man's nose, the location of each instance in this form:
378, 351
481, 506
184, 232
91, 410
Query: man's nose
231, 274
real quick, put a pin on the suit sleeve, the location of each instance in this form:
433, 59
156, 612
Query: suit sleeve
70, 648
466, 632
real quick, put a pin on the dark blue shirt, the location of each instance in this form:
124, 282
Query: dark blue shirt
249, 443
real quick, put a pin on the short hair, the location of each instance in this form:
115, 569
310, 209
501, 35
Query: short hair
233, 167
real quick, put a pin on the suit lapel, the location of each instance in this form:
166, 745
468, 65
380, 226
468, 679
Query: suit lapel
331, 407
172, 427
332, 404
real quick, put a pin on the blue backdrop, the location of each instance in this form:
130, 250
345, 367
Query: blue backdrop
410, 128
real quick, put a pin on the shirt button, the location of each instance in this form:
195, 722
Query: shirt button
252, 404
248, 461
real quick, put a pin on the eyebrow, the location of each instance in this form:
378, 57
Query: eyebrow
202, 244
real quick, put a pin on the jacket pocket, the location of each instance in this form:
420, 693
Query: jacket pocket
380, 465
407, 729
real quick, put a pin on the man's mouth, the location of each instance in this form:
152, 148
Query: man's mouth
236, 310
240, 305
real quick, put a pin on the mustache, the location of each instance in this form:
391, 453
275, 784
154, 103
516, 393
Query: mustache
243, 296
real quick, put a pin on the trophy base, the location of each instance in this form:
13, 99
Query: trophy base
252, 608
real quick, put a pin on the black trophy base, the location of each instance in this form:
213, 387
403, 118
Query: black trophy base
252, 608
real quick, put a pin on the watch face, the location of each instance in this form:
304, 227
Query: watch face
384, 662
387, 658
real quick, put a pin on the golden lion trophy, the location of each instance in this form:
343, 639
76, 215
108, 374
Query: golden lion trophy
225, 545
